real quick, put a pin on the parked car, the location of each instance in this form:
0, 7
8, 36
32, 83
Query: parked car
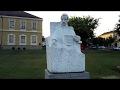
116, 48
93, 47
102, 47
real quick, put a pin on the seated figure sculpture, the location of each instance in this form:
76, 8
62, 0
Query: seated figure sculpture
63, 48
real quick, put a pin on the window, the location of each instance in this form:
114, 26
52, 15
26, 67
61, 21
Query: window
33, 40
11, 24
34, 25
11, 39
23, 25
22, 39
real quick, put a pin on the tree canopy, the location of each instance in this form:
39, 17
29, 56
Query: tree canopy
102, 41
84, 27
117, 28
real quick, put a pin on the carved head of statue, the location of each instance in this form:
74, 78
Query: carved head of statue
64, 19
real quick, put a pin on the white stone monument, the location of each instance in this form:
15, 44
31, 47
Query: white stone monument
63, 51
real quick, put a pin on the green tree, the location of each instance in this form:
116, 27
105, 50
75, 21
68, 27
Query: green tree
84, 27
94, 41
117, 27
109, 40
102, 41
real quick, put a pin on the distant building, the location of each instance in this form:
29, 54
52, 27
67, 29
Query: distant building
107, 34
20, 30
112, 34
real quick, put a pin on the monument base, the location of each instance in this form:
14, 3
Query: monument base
71, 75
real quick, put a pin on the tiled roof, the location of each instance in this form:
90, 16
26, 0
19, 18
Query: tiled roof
108, 32
18, 14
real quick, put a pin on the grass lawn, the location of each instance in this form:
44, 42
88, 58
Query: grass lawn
30, 64
22, 64
102, 64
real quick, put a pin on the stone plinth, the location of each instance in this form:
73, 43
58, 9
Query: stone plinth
78, 75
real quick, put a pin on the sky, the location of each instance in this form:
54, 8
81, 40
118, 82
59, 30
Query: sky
107, 21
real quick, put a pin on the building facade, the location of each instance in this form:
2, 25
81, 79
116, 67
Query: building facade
20, 30
113, 34
107, 34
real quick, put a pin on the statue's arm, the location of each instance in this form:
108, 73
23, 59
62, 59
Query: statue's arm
77, 39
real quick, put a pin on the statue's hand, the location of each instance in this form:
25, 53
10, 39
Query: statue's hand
54, 41
79, 42
77, 39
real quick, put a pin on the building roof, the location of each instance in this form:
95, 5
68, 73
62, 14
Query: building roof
18, 14
108, 32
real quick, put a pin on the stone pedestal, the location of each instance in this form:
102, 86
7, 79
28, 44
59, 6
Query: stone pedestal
71, 75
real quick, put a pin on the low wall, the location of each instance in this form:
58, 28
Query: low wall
22, 47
